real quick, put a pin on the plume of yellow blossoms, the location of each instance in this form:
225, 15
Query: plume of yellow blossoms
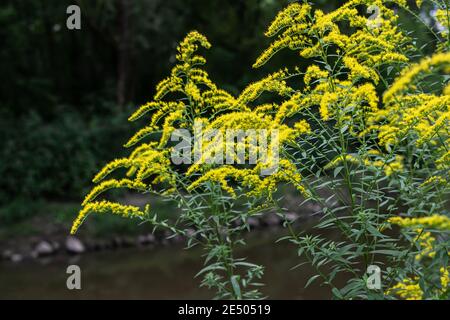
410, 110
442, 17
409, 288
342, 90
424, 239
196, 99
389, 166
440, 222
148, 167
103, 207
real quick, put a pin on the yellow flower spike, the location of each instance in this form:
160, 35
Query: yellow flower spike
113, 184
435, 221
168, 85
445, 278
329, 99
408, 289
138, 136
110, 167
293, 13
434, 180
314, 72
406, 78
357, 70
105, 207
189, 46
302, 127
446, 90
272, 83
426, 244
442, 17
168, 127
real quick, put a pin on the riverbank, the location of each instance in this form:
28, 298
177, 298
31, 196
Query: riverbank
159, 272
46, 235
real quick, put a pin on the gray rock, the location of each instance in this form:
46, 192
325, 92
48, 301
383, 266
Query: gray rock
314, 207
291, 216
253, 222
146, 239
272, 220
56, 245
43, 248
16, 257
74, 245
190, 232
177, 239
7, 254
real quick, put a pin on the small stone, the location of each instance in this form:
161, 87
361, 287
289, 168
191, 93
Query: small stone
177, 239
291, 216
272, 220
190, 232
142, 239
16, 257
146, 239
74, 245
151, 238
168, 234
56, 245
7, 254
253, 222
43, 248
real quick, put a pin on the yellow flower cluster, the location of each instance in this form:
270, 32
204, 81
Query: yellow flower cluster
362, 53
445, 278
389, 167
106, 207
434, 180
408, 110
198, 100
149, 163
408, 289
251, 179
113, 184
435, 221
272, 83
314, 72
299, 27
443, 17
426, 242
405, 82
265, 148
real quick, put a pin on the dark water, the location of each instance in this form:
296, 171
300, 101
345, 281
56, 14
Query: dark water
160, 273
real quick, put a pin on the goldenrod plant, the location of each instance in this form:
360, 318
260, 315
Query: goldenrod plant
379, 146
183, 101
363, 131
